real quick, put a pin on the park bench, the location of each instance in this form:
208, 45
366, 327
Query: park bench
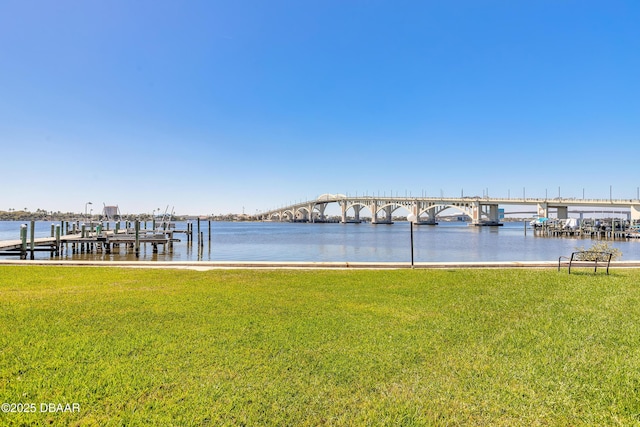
586, 259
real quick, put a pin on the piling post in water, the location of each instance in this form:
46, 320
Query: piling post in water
23, 240
33, 238
53, 229
613, 228
200, 246
209, 230
58, 227
137, 247
199, 236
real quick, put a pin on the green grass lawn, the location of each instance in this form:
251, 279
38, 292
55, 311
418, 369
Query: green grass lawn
246, 347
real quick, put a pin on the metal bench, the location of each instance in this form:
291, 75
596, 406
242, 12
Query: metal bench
586, 259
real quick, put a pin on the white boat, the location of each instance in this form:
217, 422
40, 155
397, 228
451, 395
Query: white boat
538, 222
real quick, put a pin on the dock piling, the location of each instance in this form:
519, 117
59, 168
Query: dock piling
58, 227
23, 238
33, 238
137, 243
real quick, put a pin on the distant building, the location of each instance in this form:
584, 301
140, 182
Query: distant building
111, 213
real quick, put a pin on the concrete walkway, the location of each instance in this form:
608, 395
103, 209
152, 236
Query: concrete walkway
211, 265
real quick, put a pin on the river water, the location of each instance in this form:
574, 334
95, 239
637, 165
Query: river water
275, 241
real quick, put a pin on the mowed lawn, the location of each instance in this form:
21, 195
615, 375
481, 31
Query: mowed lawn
281, 347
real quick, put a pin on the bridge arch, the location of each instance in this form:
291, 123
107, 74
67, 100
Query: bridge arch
436, 209
356, 207
287, 214
300, 211
394, 206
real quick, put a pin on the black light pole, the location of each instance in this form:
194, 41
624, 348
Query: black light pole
411, 218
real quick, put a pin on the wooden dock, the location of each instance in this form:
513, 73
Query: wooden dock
611, 229
91, 238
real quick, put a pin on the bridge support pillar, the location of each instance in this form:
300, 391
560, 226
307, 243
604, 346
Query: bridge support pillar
387, 220
476, 213
563, 212
543, 210
430, 220
356, 213
374, 212
387, 213
494, 215
491, 212
311, 218
321, 209
635, 213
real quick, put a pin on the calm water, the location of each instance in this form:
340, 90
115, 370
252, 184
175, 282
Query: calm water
273, 241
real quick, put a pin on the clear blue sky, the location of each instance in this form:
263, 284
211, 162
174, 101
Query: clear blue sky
216, 106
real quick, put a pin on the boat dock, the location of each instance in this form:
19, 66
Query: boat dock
92, 237
609, 228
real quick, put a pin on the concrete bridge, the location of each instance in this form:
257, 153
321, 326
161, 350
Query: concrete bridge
481, 210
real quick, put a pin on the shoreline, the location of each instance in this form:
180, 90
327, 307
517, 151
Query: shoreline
299, 265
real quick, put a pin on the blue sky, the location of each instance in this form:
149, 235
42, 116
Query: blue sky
220, 106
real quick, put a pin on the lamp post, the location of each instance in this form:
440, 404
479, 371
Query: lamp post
85, 208
411, 218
